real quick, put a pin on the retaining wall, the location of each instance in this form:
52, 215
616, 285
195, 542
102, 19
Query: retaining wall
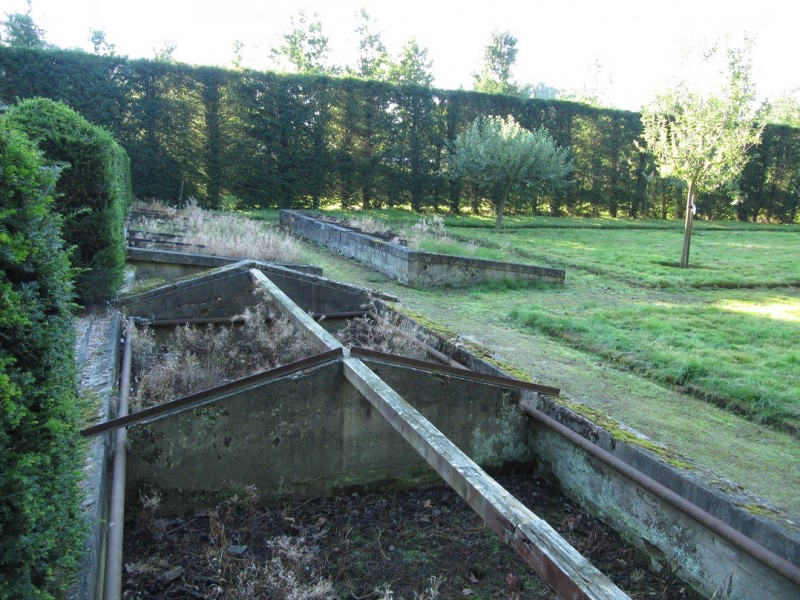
409, 266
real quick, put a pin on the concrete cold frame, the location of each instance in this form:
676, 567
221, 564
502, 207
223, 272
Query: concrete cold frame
334, 406
409, 266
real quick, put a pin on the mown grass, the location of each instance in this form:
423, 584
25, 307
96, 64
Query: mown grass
649, 258
733, 353
397, 219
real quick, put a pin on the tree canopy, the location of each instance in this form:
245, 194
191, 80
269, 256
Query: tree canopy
304, 47
701, 138
497, 156
22, 31
499, 56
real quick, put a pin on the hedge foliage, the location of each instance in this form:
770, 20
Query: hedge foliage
41, 536
299, 141
93, 192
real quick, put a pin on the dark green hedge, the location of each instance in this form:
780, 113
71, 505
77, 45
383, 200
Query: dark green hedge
93, 192
41, 535
295, 140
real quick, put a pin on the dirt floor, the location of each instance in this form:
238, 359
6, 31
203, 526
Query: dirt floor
422, 544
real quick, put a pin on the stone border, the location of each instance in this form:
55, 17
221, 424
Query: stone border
408, 266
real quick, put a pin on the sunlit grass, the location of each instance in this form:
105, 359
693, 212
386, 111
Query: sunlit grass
748, 362
779, 308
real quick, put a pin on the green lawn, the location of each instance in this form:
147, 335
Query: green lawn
727, 329
643, 257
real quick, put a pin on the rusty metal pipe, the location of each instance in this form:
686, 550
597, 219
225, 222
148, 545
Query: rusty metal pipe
731, 535
112, 585
344, 314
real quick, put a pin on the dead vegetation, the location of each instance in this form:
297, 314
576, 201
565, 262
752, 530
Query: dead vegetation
207, 232
418, 545
384, 332
197, 357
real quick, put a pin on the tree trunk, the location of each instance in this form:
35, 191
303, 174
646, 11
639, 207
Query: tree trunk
687, 230
501, 204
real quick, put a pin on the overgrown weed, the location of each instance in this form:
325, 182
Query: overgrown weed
389, 333
222, 234
194, 357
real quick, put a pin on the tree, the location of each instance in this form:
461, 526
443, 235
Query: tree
22, 32
499, 56
100, 44
497, 156
304, 47
785, 110
702, 138
373, 59
166, 53
413, 67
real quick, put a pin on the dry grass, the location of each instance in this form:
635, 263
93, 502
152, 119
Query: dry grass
368, 225
388, 333
221, 234
195, 358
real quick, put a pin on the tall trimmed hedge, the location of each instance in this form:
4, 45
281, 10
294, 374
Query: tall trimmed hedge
93, 192
295, 140
41, 536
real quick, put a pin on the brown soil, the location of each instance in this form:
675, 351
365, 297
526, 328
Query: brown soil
422, 544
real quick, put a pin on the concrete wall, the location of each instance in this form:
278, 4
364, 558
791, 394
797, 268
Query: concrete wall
98, 369
227, 291
674, 541
411, 267
170, 265
313, 433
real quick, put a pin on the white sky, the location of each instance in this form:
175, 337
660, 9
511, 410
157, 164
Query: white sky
637, 42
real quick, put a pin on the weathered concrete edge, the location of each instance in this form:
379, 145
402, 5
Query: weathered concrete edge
97, 378
208, 261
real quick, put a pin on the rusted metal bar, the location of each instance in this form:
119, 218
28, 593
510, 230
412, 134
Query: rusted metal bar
345, 314
437, 368
733, 536
189, 321
112, 585
560, 565
192, 400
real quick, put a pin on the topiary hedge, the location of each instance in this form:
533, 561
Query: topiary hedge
41, 532
93, 192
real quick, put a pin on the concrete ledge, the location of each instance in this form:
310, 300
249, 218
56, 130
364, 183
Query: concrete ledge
408, 266
169, 265
97, 359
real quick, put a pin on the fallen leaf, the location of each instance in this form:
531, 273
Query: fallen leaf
467, 592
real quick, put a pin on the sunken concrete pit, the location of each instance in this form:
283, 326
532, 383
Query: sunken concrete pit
409, 266
358, 419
